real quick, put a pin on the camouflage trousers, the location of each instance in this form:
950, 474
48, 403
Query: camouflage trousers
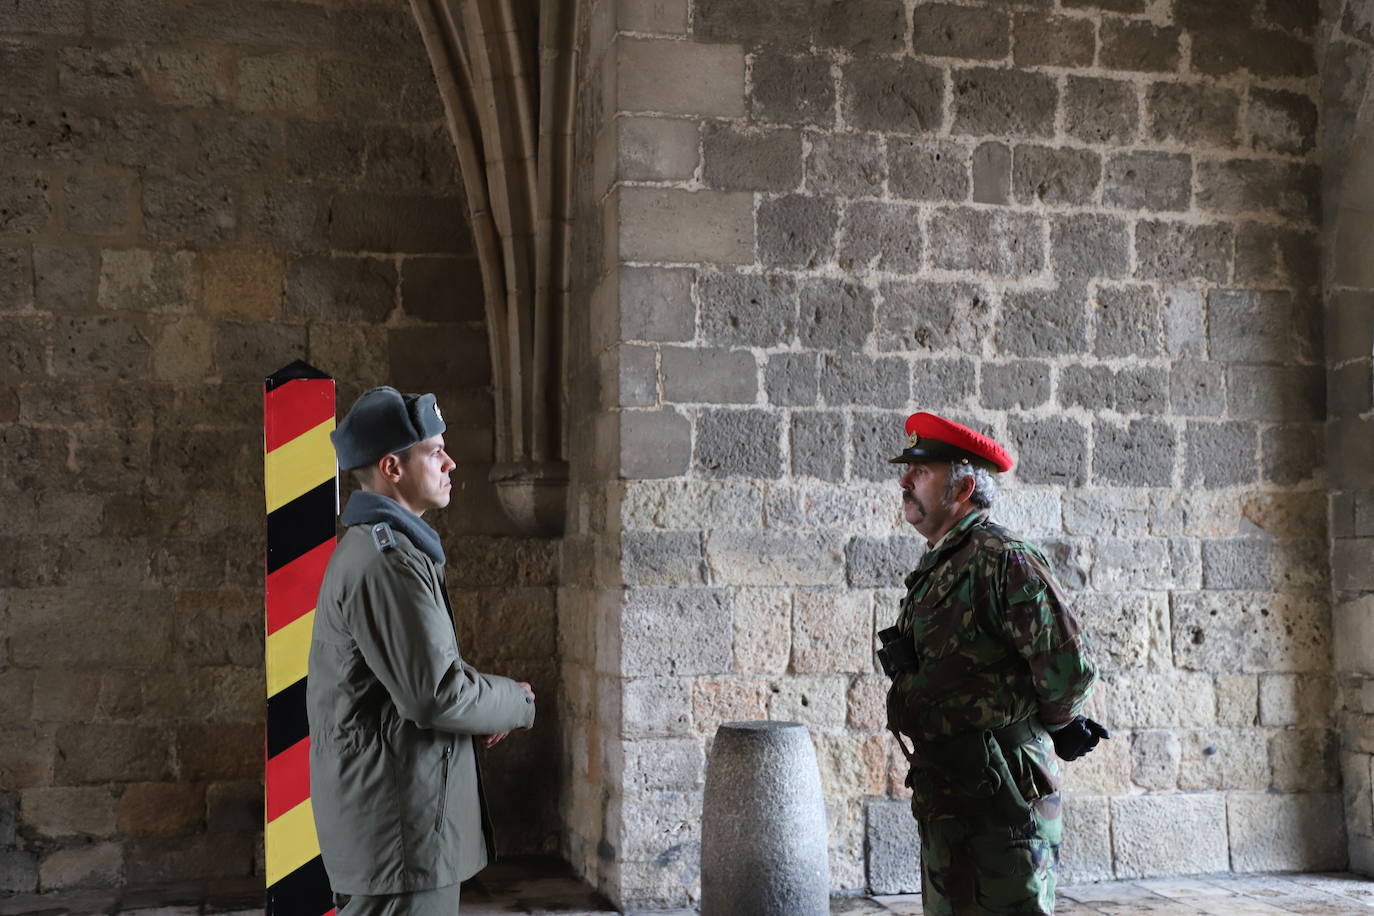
978, 867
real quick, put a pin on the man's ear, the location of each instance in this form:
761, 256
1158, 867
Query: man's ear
389, 466
966, 488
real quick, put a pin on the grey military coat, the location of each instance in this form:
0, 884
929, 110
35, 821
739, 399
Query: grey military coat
394, 782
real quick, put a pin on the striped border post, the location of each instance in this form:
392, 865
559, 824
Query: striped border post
301, 483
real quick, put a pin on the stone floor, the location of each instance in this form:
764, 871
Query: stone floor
544, 888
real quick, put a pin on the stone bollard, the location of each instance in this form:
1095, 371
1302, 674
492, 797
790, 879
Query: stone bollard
763, 833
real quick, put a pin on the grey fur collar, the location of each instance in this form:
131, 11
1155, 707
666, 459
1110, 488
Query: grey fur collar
366, 508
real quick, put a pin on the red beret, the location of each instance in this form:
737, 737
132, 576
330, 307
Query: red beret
932, 438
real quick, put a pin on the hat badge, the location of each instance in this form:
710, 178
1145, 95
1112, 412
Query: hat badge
913, 440
437, 413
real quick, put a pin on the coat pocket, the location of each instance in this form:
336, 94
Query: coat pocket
445, 763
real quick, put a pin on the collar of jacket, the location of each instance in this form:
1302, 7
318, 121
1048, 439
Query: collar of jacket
952, 540
366, 508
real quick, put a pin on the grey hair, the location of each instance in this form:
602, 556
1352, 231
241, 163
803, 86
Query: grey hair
984, 484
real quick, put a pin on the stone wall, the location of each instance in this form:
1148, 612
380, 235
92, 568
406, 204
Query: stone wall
193, 195
1348, 280
1087, 227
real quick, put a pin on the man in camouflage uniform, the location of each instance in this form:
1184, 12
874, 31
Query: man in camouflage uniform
988, 669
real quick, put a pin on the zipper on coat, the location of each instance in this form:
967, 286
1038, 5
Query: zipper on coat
443, 790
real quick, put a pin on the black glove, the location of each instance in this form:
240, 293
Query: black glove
1077, 738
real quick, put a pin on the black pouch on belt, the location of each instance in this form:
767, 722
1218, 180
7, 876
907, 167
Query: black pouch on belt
897, 655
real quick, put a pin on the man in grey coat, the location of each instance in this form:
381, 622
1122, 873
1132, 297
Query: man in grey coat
393, 707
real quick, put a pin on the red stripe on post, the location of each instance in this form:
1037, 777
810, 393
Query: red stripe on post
293, 590
288, 779
295, 408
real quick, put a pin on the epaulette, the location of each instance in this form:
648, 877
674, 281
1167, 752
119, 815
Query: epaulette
382, 537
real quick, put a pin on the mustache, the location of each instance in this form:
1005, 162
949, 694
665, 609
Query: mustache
909, 498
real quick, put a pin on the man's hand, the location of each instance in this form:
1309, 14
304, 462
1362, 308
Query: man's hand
491, 741
1077, 738
529, 690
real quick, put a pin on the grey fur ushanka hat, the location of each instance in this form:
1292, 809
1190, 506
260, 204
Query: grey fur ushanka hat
383, 421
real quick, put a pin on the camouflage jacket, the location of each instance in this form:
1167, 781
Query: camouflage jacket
995, 638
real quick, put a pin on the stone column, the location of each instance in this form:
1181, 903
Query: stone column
1348, 275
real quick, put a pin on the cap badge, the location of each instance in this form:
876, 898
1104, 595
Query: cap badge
437, 414
913, 440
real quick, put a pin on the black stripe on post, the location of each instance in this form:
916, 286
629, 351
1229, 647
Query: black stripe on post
302, 892
300, 526
286, 719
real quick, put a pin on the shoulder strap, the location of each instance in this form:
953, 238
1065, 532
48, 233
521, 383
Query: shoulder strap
383, 538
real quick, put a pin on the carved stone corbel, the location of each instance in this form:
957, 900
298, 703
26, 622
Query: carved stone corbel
506, 74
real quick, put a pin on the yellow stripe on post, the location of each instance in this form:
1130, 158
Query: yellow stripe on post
299, 466
290, 842
288, 653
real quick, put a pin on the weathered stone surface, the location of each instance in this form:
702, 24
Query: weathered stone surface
693, 504
1055, 175
832, 633
1149, 181
934, 317
654, 443
1171, 699
1051, 450
1290, 454
1237, 563
1295, 699
791, 379
657, 706
667, 224
1285, 833
835, 314
161, 808
1197, 389
852, 378
750, 160
746, 309
797, 231
793, 90
681, 77
1134, 45
1220, 454
96, 865
1086, 853
897, 95
1224, 758
1304, 759
1155, 758
893, 847
1237, 700
1137, 823
940, 30
675, 632
1193, 114
1023, 384
716, 700
768, 558
991, 173
1128, 629
814, 453
1282, 122
1085, 245
928, 169
699, 374
1259, 186
1248, 631
993, 242
1056, 41
66, 812
1263, 52
1100, 111
762, 630
1016, 103
1181, 251
942, 382
738, 443
815, 701
661, 558
1044, 322
882, 236
1128, 390
657, 149
845, 165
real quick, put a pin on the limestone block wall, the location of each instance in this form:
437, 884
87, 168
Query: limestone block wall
1348, 279
1087, 227
192, 195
